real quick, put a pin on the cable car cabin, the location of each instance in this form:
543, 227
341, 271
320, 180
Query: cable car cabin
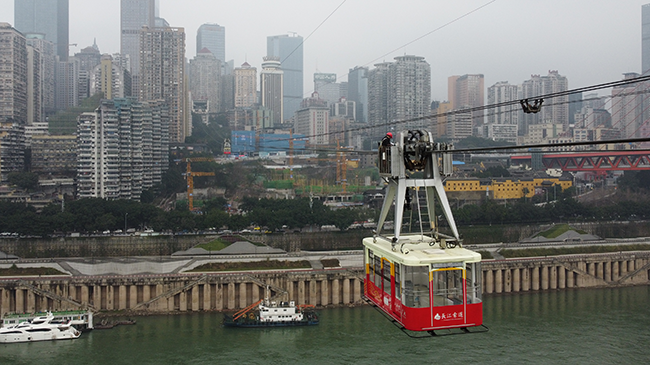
424, 281
426, 289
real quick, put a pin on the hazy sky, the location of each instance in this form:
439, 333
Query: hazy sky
588, 41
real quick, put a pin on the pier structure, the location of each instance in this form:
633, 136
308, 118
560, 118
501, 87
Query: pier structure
190, 292
562, 272
166, 293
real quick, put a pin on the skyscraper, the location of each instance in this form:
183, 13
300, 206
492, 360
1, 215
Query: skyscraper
556, 112
399, 91
410, 83
467, 91
312, 120
645, 38
134, 14
627, 108
110, 79
47, 17
245, 86
358, 91
503, 121
13, 75
121, 149
327, 88
212, 37
162, 76
48, 68
289, 49
378, 93
205, 77
271, 87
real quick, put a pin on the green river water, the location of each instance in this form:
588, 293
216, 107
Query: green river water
587, 326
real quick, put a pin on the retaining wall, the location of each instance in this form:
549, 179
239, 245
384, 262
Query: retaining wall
164, 293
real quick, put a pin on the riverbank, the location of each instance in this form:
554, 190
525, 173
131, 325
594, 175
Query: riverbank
178, 291
166, 245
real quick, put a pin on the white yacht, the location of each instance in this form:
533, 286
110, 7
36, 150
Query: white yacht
43, 328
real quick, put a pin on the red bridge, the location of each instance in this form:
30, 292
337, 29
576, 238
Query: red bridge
598, 162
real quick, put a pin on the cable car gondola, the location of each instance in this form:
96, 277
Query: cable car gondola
422, 281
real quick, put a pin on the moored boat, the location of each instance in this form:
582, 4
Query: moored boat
82, 320
42, 328
266, 313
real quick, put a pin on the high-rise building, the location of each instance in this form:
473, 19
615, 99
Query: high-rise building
47, 17
134, 14
205, 80
645, 38
312, 120
398, 92
627, 108
467, 91
327, 88
503, 120
67, 84
227, 91
410, 81
47, 74
162, 76
344, 109
556, 112
459, 125
120, 149
88, 58
245, 86
289, 49
56, 155
110, 79
271, 87
378, 94
13, 75
12, 147
34, 86
212, 37
439, 124
358, 91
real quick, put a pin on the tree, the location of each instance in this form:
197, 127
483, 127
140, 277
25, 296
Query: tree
24, 180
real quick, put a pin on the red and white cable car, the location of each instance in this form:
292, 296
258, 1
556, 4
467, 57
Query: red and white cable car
424, 281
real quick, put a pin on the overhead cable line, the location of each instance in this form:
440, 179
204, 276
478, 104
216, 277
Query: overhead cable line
486, 107
314, 31
548, 145
416, 39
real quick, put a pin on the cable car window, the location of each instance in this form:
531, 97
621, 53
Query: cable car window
377, 278
474, 280
447, 287
386, 275
398, 286
416, 286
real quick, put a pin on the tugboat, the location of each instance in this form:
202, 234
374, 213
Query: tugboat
266, 313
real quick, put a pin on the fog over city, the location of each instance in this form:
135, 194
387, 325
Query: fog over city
589, 42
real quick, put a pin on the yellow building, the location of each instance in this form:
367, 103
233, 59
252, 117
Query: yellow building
504, 188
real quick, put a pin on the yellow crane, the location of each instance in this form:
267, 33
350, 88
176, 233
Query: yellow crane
190, 177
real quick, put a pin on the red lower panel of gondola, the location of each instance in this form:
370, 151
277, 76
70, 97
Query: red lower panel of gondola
426, 318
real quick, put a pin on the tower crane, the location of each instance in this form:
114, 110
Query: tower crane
190, 177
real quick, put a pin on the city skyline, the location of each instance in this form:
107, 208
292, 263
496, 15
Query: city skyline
503, 40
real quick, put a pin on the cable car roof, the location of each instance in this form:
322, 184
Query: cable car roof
420, 253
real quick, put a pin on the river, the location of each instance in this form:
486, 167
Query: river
587, 326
